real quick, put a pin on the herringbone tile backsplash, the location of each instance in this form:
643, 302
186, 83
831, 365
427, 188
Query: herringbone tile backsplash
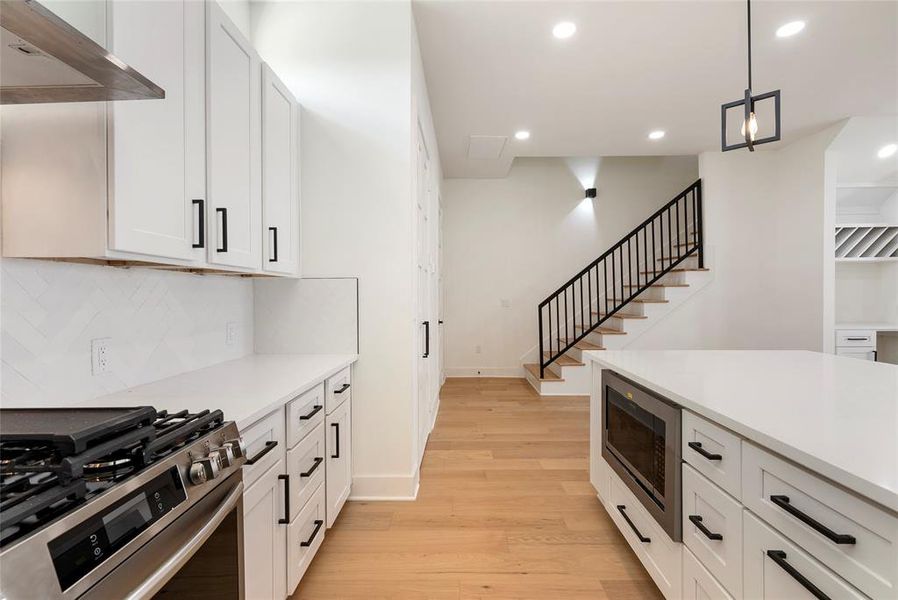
159, 324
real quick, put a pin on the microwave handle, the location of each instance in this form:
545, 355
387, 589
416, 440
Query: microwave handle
179, 557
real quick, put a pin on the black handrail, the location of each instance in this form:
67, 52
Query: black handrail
670, 246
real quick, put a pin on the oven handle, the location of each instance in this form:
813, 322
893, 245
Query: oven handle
179, 558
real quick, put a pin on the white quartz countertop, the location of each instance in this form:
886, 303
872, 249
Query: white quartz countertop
245, 389
833, 415
872, 326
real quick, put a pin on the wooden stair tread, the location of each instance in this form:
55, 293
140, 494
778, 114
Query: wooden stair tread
621, 315
603, 330
676, 270
564, 360
661, 285
584, 345
533, 368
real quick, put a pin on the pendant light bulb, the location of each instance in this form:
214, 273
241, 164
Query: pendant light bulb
752, 126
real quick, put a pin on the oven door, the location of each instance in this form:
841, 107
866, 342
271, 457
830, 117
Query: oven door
200, 555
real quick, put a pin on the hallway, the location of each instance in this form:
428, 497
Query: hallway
504, 510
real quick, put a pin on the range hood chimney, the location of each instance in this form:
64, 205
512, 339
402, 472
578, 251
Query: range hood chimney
44, 59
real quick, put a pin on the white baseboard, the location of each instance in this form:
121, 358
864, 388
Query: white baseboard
384, 488
485, 372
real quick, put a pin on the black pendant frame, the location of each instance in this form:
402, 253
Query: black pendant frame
748, 102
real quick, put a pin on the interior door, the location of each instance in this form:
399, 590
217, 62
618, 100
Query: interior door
426, 325
233, 138
157, 147
280, 183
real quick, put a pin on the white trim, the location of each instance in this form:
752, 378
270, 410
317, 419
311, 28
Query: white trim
516, 372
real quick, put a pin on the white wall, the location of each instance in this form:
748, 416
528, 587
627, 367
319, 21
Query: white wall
509, 243
159, 324
764, 225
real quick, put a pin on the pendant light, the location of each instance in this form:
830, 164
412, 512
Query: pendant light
749, 128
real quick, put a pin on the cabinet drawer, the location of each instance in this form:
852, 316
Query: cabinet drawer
714, 452
337, 389
857, 540
706, 505
698, 583
855, 337
304, 537
777, 569
661, 557
264, 441
305, 465
304, 414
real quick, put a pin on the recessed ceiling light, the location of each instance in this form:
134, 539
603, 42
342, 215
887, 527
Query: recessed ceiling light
790, 29
564, 30
522, 135
656, 135
887, 150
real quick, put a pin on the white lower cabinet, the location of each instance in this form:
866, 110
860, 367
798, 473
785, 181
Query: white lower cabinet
264, 538
304, 537
777, 569
305, 465
698, 583
338, 432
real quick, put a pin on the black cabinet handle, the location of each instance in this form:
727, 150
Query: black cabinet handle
286, 519
342, 389
336, 426
308, 542
275, 231
779, 557
318, 461
426, 339
837, 538
224, 229
440, 322
697, 521
201, 223
858, 339
315, 410
621, 509
697, 446
269, 446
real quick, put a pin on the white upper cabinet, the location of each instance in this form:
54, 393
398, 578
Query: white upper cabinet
157, 148
233, 137
280, 176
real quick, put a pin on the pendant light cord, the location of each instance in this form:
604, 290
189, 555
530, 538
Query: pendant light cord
748, 8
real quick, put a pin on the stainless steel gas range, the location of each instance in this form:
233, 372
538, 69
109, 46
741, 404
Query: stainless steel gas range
120, 503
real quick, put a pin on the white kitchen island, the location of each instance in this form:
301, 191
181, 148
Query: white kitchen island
802, 492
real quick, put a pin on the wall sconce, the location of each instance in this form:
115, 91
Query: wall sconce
590, 192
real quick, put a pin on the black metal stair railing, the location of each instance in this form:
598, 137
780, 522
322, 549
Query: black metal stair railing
630, 267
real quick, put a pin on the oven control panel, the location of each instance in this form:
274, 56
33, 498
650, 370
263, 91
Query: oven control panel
81, 549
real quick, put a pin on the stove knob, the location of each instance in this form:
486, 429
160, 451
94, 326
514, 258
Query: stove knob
226, 454
205, 469
238, 448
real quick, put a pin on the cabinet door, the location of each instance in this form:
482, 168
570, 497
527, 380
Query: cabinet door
264, 538
280, 183
338, 477
233, 138
157, 147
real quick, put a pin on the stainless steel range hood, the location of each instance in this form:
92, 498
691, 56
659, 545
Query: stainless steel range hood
44, 59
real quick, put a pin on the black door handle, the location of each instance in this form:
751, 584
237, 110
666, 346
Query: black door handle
224, 229
697, 521
275, 231
621, 509
837, 538
342, 389
201, 223
315, 410
426, 339
779, 557
308, 542
318, 461
269, 446
697, 446
286, 519
336, 426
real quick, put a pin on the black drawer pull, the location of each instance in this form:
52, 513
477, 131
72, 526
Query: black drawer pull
779, 557
426, 339
697, 521
269, 446
836, 538
858, 339
308, 542
315, 410
342, 389
201, 224
274, 230
224, 229
697, 446
621, 509
318, 461
286, 519
337, 427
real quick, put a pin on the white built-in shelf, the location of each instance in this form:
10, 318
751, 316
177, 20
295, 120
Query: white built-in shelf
866, 242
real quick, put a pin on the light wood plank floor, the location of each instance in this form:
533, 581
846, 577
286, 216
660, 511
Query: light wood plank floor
505, 510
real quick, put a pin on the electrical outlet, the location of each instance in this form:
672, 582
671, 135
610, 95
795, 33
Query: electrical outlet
100, 356
230, 333
505, 303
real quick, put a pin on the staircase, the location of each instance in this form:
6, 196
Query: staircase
618, 296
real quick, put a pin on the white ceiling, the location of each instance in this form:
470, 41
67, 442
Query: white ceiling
493, 68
